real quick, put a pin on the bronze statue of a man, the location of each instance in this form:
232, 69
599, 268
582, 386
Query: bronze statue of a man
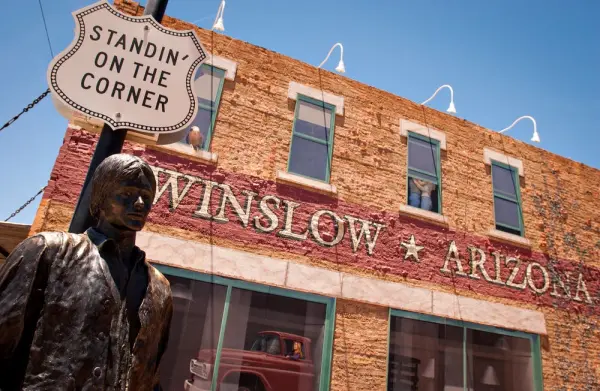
87, 312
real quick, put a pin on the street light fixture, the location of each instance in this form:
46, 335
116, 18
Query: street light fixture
218, 24
340, 68
451, 108
536, 136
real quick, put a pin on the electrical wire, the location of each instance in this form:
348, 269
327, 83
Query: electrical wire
46, 28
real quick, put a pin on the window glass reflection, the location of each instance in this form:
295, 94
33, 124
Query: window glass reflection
425, 356
197, 313
499, 362
429, 356
272, 339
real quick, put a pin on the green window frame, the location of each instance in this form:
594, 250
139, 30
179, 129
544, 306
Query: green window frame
515, 199
325, 374
213, 107
420, 174
329, 142
534, 340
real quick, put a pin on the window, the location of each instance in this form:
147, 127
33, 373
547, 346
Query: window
424, 173
507, 198
435, 354
231, 335
209, 85
312, 139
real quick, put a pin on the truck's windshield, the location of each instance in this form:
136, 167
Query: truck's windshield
268, 344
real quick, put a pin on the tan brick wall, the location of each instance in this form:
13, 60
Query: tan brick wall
360, 347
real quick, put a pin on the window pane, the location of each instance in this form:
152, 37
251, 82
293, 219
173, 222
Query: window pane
499, 362
197, 314
260, 329
504, 181
506, 212
202, 121
313, 120
204, 89
421, 156
425, 356
308, 158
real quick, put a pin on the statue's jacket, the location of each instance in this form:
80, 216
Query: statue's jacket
63, 325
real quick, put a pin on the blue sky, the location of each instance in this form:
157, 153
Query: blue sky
504, 59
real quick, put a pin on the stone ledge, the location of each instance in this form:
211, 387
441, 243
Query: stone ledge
408, 126
426, 215
489, 155
188, 152
229, 66
509, 238
296, 88
306, 183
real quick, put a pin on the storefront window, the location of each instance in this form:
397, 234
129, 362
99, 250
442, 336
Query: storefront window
434, 354
229, 335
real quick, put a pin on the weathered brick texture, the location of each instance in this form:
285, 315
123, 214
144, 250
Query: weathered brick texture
561, 205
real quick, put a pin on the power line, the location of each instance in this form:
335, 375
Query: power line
46, 28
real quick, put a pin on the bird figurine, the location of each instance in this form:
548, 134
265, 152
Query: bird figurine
195, 138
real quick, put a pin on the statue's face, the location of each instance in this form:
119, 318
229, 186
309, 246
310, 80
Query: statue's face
129, 205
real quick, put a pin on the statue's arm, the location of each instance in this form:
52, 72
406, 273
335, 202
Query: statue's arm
21, 292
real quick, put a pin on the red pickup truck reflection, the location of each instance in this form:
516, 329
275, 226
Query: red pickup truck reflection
275, 362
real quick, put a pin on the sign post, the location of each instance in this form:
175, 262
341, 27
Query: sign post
130, 72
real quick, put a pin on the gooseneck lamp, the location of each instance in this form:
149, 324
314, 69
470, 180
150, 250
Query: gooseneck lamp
340, 68
536, 136
451, 108
218, 24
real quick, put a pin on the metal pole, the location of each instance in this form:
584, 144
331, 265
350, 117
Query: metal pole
109, 143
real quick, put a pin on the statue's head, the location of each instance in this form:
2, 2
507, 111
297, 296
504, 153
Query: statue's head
123, 189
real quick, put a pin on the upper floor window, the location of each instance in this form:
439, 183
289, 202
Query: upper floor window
507, 198
424, 184
209, 86
312, 139
430, 353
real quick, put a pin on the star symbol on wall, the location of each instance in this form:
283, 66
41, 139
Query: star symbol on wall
412, 250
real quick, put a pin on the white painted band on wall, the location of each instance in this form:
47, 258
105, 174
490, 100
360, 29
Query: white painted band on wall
261, 269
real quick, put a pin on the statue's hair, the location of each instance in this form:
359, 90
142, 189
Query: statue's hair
111, 173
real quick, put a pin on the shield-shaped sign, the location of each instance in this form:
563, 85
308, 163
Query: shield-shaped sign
130, 72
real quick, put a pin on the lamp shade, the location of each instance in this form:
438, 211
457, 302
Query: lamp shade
489, 377
181, 291
429, 372
451, 108
219, 25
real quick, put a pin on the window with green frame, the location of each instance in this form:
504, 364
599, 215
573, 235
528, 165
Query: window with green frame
312, 139
507, 198
209, 86
219, 323
424, 178
428, 353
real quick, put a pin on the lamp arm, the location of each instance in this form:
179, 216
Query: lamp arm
438, 90
330, 51
519, 119
219, 11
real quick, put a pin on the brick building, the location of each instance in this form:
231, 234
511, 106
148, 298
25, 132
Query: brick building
298, 214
